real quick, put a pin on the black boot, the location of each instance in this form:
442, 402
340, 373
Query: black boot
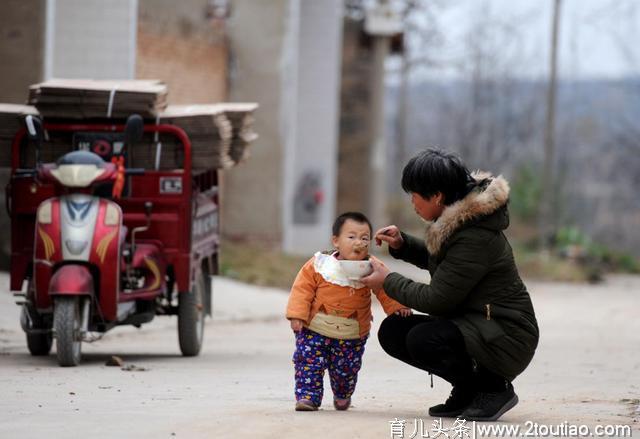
489, 406
459, 399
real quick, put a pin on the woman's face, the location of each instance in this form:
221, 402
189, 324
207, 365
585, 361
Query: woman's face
428, 209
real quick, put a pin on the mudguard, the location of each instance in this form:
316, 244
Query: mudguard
71, 280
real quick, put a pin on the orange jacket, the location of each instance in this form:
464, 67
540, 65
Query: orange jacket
311, 293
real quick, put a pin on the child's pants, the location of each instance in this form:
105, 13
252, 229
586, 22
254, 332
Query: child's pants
314, 353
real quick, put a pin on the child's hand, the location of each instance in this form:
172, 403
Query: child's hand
404, 312
297, 325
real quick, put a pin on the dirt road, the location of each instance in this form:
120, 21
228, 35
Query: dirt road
586, 371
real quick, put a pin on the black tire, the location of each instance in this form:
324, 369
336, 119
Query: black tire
191, 315
208, 297
66, 323
39, 344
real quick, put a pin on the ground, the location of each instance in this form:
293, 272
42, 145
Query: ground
585, 372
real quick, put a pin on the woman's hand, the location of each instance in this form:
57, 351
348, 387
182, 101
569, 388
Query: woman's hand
391, 235
404, 312
297, 325
377, 276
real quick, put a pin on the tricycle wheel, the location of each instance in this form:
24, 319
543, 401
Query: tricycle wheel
191, 315
66, 323
39, 343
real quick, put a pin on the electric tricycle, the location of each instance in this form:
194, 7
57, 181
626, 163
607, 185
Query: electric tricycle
97, 243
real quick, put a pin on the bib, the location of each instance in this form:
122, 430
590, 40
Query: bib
331, 271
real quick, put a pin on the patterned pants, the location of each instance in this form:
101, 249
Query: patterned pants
314, 353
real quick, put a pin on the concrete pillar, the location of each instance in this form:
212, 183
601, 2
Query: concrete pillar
311, 150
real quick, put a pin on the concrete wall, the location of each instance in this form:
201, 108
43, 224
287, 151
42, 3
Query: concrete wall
22, 27
91, 39
252, 192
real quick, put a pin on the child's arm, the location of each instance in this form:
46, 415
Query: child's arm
391, 306
302, 293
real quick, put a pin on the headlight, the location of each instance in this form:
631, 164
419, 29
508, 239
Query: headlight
44, 213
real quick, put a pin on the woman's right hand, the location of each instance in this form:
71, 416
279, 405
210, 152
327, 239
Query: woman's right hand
391, 235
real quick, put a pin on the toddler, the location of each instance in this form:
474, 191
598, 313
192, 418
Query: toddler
330, 314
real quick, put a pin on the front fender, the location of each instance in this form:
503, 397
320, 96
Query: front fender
71, 280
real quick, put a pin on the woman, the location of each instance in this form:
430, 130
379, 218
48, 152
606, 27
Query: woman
480, 331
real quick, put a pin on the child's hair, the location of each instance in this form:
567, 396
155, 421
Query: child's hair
433, 171
355, 216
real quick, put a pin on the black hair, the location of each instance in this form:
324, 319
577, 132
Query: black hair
433, 171
355, 216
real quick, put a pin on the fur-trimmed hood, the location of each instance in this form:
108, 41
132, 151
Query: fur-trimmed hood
481, 201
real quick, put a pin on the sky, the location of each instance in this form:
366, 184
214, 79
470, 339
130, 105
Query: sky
598, 38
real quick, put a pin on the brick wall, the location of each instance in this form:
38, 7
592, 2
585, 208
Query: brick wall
179, 43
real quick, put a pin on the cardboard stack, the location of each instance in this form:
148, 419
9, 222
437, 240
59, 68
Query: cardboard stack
11, 121
241, 118
208, 129
220, 134
84, 98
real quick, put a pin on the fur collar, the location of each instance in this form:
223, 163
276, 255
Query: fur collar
477, 203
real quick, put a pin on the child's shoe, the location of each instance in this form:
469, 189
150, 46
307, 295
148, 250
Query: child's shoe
341, 404
305, 405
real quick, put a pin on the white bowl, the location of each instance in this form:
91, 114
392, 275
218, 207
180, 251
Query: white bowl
356, 269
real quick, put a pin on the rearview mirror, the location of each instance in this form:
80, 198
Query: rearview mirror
34, 128
133, 130
35, 133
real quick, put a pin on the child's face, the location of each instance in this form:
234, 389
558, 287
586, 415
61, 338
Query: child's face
353, 241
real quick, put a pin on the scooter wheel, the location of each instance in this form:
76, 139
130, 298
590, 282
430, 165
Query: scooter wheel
66, 323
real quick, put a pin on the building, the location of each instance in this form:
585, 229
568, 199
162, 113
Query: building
286, 55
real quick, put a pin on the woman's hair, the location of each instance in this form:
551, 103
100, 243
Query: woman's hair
355, 216
433, 171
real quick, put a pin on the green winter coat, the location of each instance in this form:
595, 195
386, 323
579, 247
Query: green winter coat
474, 279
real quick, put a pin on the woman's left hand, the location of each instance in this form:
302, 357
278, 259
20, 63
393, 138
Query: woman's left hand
377, 276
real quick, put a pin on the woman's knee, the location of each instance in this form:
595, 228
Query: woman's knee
391, 334
419, 342
432, 336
